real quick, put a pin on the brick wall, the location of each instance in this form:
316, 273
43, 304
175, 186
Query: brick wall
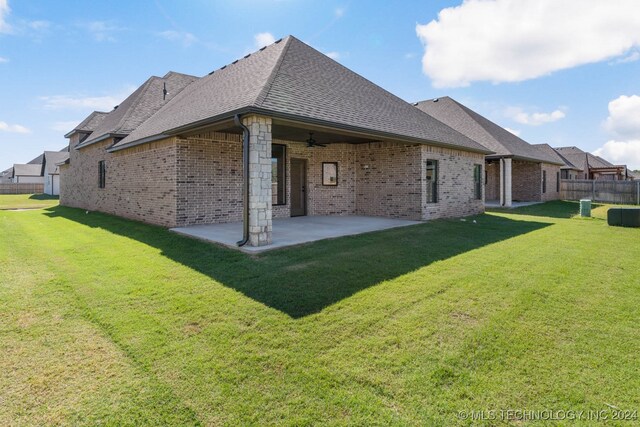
140, 181
492, 187
456, 195
526, 181
552, 182
389, 180
177, 182
209, 179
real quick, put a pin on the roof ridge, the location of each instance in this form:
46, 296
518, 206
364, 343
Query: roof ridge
466, 111
264, 92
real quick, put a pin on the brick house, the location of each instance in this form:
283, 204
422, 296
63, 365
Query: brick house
285, 131
568, 170
590, 166
516, 170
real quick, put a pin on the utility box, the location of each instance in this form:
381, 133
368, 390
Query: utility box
585, 208
624, 217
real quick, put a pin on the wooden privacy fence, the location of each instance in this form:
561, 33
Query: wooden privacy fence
21, 188
605, 191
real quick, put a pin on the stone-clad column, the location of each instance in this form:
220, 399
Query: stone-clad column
260, 226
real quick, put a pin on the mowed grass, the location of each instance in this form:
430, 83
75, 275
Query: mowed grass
108, 321
27, 201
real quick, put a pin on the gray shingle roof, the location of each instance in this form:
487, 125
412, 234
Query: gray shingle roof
480, 129
581, 158
54, 157
89, 124
139, 106
552, 152
36, 161
289, 79
27, 170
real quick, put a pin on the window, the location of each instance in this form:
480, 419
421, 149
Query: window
432, 181
278, 178
102, 174
544, 182
330, 174
558, 182
477, 181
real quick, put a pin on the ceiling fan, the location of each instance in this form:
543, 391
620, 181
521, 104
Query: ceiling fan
312, 142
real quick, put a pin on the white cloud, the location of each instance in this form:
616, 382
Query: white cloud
102, 30
515, 40
513, 131
263, 39
333, 55
623, 123
84, 103
533, 119
624, 117
4, 11
621, 153
187, 39
6, 127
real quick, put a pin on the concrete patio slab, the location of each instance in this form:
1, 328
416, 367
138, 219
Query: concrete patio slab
293, 231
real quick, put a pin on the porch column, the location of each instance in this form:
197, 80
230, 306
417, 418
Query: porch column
260, 226
505, 182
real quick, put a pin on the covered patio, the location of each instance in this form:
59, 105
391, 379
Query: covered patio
294, 230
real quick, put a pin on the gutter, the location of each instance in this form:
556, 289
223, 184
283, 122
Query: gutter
245, 180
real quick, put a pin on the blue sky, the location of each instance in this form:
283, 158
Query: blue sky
563, 73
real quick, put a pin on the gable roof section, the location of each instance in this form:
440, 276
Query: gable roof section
89, 124
52, 158
480, 129
139, 106
27, 170
553, 153
291, 80
582, 159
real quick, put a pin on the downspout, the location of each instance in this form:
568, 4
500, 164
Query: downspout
245, 180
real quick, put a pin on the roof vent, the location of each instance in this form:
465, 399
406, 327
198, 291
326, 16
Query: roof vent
234, 61
435, 100
115, 108
263, 48
277, 41
246, 56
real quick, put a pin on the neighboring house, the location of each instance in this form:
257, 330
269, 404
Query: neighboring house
51, 171
29, 173
568, 170
593, 167
312, 137
515, 171
6, 176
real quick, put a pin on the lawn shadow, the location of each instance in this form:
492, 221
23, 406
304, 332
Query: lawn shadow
43, 197
305, 279
553, 209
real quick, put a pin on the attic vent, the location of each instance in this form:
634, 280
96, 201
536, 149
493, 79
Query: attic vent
115, 108
415, 104
435, 100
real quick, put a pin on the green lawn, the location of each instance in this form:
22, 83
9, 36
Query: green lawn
27, 201
108, 321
